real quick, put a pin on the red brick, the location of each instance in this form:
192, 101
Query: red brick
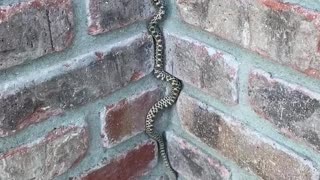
293, 109
126, 118
75, 85
236, 141
45, 158
191, 163
285, 33
129, 165
105, 16
204, 67
34, 28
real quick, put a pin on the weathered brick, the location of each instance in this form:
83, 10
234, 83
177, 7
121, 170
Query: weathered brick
191, 163
286, 33
237, 142
107, 15
294, 109
47, 157
126, 118
31, 29
77, 85
129, 165
155, 177
204, 67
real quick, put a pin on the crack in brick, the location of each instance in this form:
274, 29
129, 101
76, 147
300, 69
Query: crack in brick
49, 28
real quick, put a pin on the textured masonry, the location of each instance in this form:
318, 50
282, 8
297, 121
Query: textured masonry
124, 119
294, 109
286, 33
129, 165
47, 157
32, 29
108, 15
204, 67
76, 84
236, 141
191, 163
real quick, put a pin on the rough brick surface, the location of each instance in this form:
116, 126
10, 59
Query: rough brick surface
191, 163
126, 118
129, 165
45, 158
286, 33
108, 15
107, 72
155, 177
31, 29
292, 108
204, 67
244, 146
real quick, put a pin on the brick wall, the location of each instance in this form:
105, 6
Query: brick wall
76, 84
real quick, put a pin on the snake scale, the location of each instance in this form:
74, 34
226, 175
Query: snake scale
160, 73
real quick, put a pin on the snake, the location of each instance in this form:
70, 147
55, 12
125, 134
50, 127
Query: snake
160, 73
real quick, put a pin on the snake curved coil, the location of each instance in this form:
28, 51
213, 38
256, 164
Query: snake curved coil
161, 74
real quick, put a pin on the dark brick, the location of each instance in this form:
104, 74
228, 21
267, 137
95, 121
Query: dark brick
47, 157
247, 148
126, 118
292, 108
191, 163
77, 86
204, 67
107, 15
32, 29
286, 33
129, 165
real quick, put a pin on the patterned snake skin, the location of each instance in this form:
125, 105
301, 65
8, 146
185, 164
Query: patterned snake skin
161, 74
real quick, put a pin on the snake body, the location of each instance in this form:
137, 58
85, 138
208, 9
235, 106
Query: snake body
160, 73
